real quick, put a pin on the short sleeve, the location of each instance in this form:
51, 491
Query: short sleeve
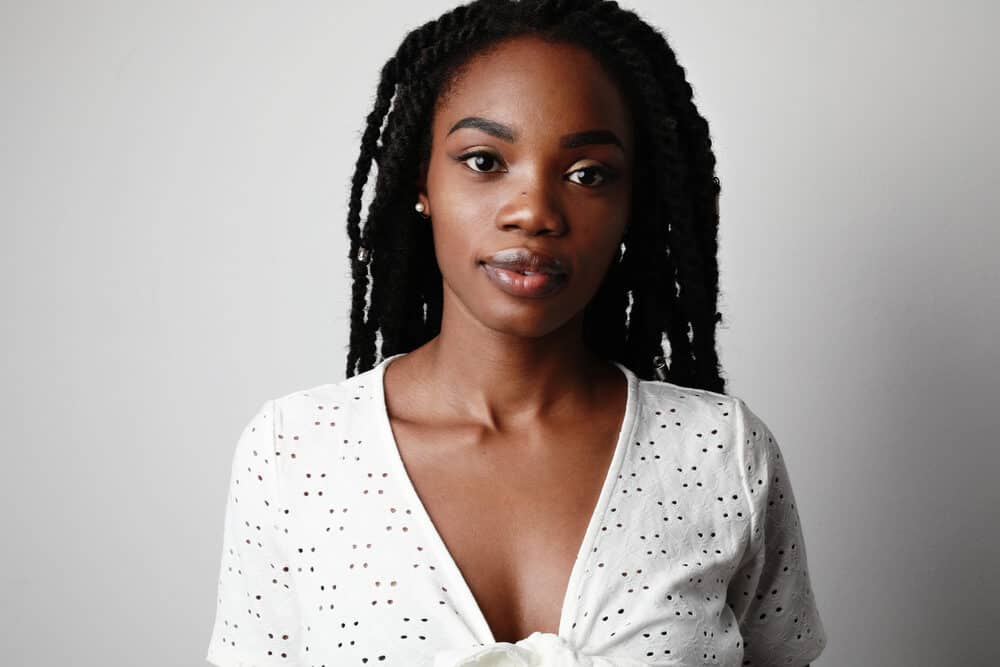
257, 620
770, 593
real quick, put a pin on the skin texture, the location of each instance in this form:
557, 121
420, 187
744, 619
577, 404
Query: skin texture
506, 423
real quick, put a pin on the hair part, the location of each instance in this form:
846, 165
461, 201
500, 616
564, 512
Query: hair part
664, 287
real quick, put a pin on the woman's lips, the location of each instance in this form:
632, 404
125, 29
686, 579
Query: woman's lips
516, 284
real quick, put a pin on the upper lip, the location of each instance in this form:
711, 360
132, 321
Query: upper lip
526, 259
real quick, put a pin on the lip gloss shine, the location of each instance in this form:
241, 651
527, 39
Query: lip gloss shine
538, 285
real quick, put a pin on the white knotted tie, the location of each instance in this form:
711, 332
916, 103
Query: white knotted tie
539, 649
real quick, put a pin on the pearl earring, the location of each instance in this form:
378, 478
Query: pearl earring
420, 207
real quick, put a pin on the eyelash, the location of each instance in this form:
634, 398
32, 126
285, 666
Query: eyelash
607, 175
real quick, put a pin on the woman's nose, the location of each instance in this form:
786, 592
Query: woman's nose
534, 210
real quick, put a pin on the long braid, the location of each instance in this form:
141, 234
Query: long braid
672, 186
703, 184
361, 352
669, 245
406, 120
698, 277
362, 337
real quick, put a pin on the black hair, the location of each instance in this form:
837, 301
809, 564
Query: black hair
664, 285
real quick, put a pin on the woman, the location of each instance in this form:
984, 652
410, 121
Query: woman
510, 484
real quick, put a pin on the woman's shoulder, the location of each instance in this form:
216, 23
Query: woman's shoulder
687, 405
314, 421
339, 396
702, 428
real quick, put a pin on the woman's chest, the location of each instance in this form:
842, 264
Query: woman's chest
512, 517
384, 569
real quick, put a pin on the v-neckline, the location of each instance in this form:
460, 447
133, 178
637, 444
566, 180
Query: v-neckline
568, 608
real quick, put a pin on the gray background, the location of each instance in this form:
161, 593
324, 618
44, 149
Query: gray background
173, 192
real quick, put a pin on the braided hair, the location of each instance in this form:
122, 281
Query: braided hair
664, 286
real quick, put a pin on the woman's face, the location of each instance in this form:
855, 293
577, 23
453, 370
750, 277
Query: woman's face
531, 149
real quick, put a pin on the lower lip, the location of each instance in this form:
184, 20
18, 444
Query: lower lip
515, 284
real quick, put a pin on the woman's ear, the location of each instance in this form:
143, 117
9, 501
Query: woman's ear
421, 184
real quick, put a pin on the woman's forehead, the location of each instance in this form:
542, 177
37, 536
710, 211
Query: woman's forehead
535, 85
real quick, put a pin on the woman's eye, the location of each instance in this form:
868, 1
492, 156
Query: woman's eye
480, 161
603, 175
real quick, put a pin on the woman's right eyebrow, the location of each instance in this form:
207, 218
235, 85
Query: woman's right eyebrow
492, 127
501, 131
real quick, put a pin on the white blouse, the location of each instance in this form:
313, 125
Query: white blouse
693, 554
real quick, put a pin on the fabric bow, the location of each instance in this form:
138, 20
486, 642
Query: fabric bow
539, 649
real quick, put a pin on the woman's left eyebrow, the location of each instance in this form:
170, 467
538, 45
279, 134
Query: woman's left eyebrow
589, 137
574, 140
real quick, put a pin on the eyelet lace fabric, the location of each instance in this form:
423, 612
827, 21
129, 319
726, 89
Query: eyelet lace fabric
693, 555
539, 649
